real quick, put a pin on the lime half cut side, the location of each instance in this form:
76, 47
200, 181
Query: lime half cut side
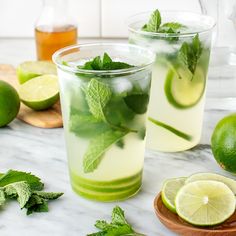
212, 176
40, 93
169, 191
184, 90
30, 69
205, 202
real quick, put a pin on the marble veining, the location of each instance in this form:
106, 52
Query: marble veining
42, 151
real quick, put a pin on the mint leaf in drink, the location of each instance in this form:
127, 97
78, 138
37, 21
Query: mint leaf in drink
86, 125
98, 145
21, 190
15, 176
175, 26
190, 53
137, 102
154, 22
104, 63
97, 95
118, 226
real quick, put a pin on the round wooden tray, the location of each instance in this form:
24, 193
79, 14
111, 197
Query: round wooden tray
176, 224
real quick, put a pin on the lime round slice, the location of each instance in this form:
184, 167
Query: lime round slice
184, 90
205, 202
30, 69
212, 176
169, 191
40, 93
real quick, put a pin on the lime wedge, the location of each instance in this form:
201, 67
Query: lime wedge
212, 176
30, 69
205, 202
40, 93
169, 191
184, 90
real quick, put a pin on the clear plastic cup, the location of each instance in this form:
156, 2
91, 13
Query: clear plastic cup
104, 114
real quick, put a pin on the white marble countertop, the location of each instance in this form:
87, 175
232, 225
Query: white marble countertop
42, 151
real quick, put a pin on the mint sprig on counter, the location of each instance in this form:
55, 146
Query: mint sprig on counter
154, 25
26, 189
118, 226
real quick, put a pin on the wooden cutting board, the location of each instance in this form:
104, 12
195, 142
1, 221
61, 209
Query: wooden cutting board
50, 118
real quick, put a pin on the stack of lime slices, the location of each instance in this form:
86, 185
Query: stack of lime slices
203, 199
39, 87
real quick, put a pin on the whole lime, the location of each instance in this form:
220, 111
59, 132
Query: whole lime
223, 143
9, 103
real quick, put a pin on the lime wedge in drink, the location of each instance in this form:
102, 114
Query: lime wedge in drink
40, 93
169, 191
205, 202
212, 176
30, 69
184, 90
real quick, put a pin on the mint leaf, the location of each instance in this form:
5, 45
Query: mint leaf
173, 25
116, 65
118, 227
21, 190
97, 95
190, 53
118, 216
98, 145
106, 59
85, 125
14, 176
48, 195
137, 102
36, 204
154, 22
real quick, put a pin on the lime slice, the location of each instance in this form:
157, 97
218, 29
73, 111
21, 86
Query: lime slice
182, 89
40, 93
30, 69
205, 202
169, 191
212, 176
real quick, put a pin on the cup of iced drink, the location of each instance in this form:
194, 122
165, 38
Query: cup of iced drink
182, 44
104, 91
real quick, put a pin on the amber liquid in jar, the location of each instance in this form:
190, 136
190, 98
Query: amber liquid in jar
49, 40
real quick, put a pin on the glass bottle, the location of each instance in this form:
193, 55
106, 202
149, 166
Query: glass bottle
54, 29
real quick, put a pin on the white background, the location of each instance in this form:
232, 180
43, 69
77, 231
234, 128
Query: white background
95, 18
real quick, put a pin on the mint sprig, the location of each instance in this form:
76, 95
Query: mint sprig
154, 25
22, 186
118, 226
190, 53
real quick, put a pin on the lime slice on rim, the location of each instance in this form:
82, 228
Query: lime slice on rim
184, 90
169, 191
40, 93
212, 176
30, 69
205, 202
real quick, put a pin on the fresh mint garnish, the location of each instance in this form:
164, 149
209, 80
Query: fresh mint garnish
22, 186
190, 53
154, 22
118, 226
154, 25
137, 102
98, 145
104, 63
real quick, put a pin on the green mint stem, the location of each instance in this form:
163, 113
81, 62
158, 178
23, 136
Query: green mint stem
171, 129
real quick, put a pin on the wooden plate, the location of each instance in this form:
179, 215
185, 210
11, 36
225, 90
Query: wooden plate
179, 226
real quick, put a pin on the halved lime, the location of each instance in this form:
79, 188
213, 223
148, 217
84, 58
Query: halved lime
30, 69
184, 90
169, 191
205, 202
40, 93
212, 176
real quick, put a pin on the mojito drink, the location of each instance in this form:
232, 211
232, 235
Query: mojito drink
104, 95
182, 45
